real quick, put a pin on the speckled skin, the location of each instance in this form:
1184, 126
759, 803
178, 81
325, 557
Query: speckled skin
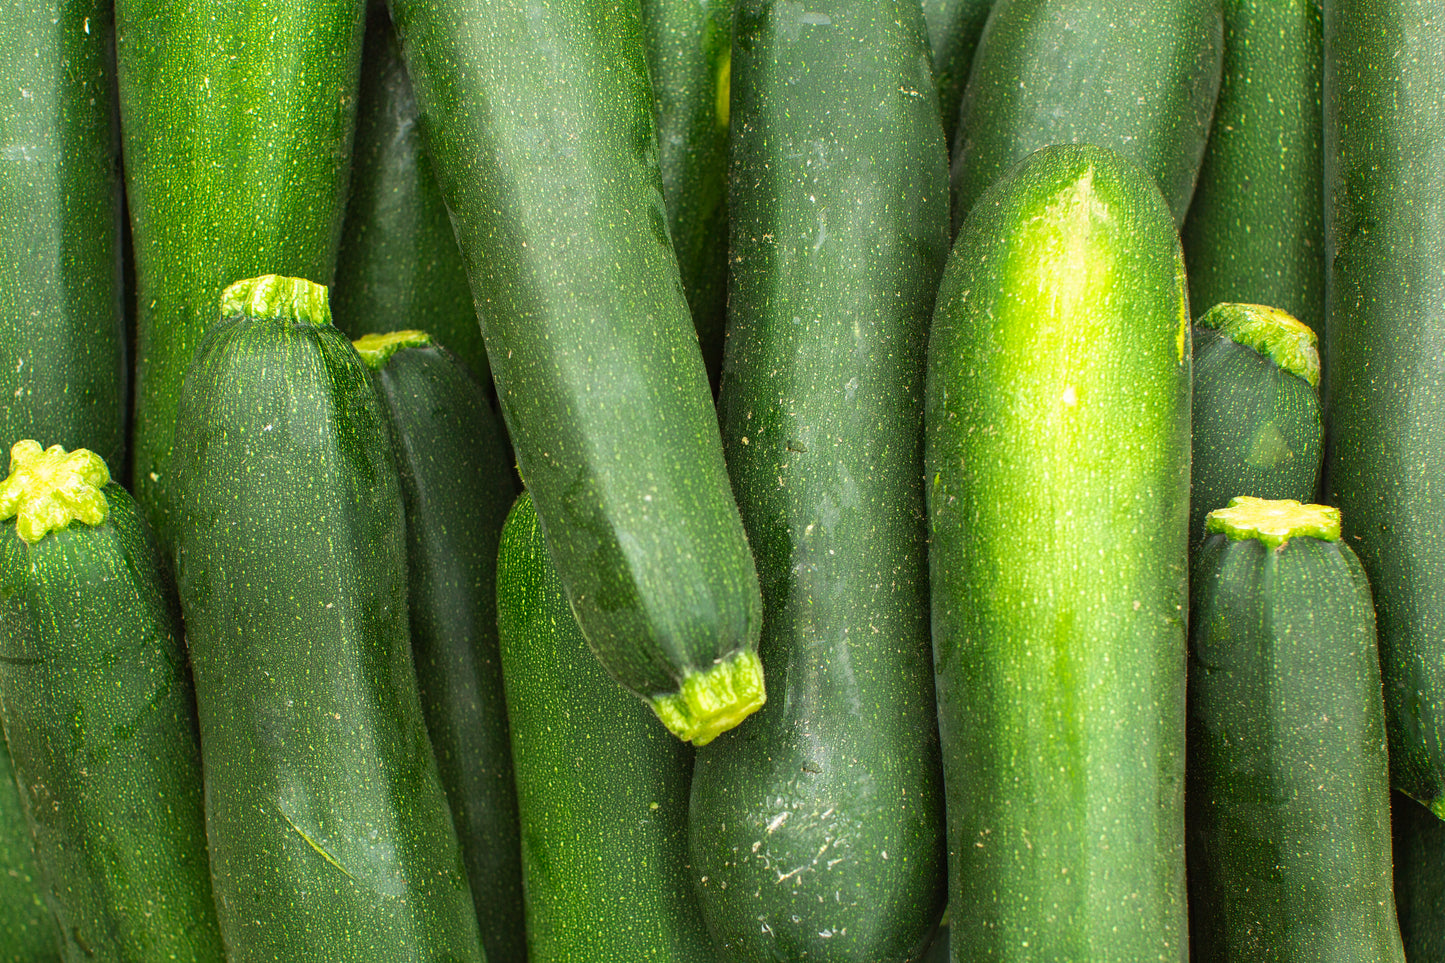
237, 118
330, 836
954, 27
1384, 385
28, 929
817, 827
101, 720
1057, 473
1288, 782
63, 370
1138, 76
539, 118
602, 788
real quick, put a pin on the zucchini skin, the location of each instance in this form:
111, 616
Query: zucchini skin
28, 928
237, 120
1384, 93
839, 235
1255, 231
330, 834
954, 27
1288, 784
456, 484
601, 788
101, 721
1419, 857
1057, 473
539, 118
1138, 76
399, 264
63, 368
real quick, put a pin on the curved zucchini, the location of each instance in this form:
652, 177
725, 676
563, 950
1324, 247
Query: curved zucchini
539, 118
602, 790
840, 231
1289, 783
330, 834
100, 714
1057, 468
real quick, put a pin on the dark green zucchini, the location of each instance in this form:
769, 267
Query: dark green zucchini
399, 265
62, 350
1057, 475
100, 714
1258, 429
539, 117
1419, 855
28, 929
1384, 94
954, 27
329, 830
1138, 76
1255, 231
601, 788
237, 118
817, 828
1288, 780
456, 485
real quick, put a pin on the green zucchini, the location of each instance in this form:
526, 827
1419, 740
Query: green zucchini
1384, 94
601, 788
329, 829
1057, 468
237, 118
27, 926
456, 485
954, 27
62, 349
808, 821
1138, 76
1419, 856
100, 714
1255, 231
1257, 429
399, 265
539, 118
1288, 780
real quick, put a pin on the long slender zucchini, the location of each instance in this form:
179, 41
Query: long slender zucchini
62, 353
329, 829
100, 714
28, 928
539, 118
1384, 97
1057, 469
1288, 783
828, 808
456, 485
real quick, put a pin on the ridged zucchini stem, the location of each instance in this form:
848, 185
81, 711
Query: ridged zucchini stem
1276, 334
375, 349
711, 702
278, 297
1273, 521
48, 489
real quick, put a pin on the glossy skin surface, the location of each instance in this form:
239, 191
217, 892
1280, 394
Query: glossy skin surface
601, 786
817, 827
62, 354
330, 834
101, 719
1057, 476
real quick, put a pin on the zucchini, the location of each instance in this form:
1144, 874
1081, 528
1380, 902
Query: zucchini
829, 806
1255, 231
1057, 467
399, 264
100, 714
539, 118
954, 27
27, 926
456, 485
1288, 781
1384, 93
1138, 76
1419, 855
1257, 426
62, 350
601, 788
237, 119
329, 829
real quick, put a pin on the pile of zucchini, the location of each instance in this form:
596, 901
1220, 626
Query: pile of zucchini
739, 480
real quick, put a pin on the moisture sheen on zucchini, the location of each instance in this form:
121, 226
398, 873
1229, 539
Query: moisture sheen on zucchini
1057, 475
539, 117
100, 715
330, 834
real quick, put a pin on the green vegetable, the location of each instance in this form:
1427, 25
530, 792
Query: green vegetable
954, 27
27, 926
1419, 856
